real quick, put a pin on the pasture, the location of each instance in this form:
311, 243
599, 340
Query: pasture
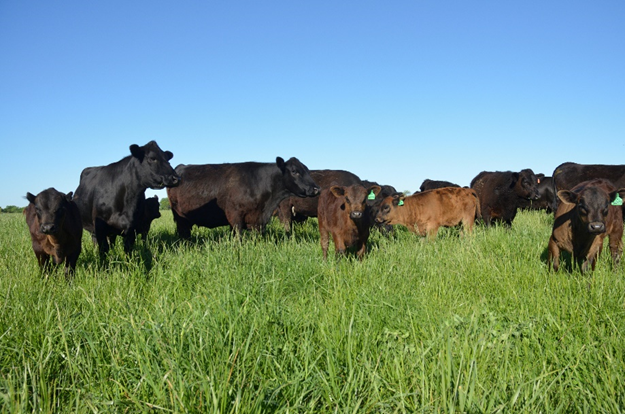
262, 324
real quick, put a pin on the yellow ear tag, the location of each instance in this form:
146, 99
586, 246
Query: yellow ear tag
618, 201
371, 196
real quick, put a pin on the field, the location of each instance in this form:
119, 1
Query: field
460, 324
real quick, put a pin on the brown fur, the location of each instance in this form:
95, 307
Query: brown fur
298, 209
502, 192
571, 227
423, 213
341, 212
55, 228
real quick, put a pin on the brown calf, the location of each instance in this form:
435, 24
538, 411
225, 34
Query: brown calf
341, 212
588, 213
55, 228
423, 213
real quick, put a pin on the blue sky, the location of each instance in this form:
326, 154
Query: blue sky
395, 92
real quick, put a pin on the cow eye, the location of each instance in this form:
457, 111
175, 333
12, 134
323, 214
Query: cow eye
295, 173
151, 160
347, 199
583, 210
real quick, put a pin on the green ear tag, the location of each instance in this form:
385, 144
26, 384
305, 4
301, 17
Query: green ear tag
401, 203
618, 201
371, 196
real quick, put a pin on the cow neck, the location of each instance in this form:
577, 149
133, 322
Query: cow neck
278, 190
132, 167
133, 187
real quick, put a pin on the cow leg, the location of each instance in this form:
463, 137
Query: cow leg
70, 263
43, 259
362, 249
553, 255
324, 238
486, 216
129, 240
101, 236
467, 224
339, 245
183, 226
284, 213
431, 232
616, 248
590, 261
237, 222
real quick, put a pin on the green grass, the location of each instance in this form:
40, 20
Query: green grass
460, 324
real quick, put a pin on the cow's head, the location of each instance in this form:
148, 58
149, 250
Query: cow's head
525, 184
354, 198
296, 177
592, 205
51, 207
154, 168
386, 211
152, 208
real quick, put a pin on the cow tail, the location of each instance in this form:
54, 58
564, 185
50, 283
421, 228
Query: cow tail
478, 209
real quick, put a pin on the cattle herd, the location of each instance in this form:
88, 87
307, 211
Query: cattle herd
110, 202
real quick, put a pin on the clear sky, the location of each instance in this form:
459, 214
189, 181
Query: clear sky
394, 91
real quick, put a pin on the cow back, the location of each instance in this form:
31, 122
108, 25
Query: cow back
243, 195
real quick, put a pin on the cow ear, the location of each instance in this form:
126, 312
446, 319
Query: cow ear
567, 197
280, 163
616, 197
137, 152
30, 198
156, 197
69, 196
375, 189
337, 190
515, 179
168, 155
398, 199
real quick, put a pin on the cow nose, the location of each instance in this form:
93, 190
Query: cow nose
356, 214
596, 227
48, 228
174, 180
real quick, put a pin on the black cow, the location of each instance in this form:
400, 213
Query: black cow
242, 195
55, 228
500, 193
434, 184
298, 209
147, 211
110, 198
151, 211
569, 174
547, 199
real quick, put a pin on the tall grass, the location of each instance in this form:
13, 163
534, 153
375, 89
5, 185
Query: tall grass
459, 324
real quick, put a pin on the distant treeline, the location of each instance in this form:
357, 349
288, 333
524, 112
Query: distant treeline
164, 205
11, 209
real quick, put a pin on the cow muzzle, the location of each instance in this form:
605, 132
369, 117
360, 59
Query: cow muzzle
596, 227
356, 215
48, 228
171, 181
